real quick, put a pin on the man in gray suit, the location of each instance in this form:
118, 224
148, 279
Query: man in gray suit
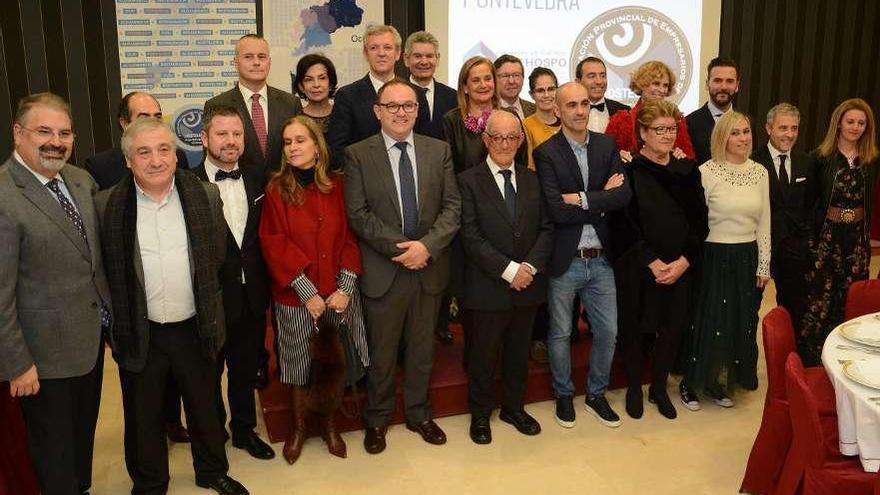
403, 203
54, 298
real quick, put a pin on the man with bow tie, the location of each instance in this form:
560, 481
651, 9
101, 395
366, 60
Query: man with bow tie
591, 73
243, 278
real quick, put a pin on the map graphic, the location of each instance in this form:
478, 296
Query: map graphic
318, 22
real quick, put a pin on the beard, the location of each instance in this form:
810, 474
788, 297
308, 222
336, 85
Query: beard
721, 98
53, 164
220, 160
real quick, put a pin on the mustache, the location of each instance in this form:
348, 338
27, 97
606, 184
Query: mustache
47, 148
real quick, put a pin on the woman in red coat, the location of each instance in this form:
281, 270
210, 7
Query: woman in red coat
652, 81
314, 261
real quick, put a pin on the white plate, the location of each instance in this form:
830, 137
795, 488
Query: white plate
865, 331
865, 373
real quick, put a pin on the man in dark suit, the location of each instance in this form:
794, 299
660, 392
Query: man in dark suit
509, 76
583, 181
402, 202
507, 239
722, 82
244, 278
593, 75
164, 242
54, 295
352, 119
421, 56
793, 195
265, 109
107, 167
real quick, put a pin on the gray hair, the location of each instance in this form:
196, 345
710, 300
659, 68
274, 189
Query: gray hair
499, 113
421, 37
139, 126
782, 108
376, 29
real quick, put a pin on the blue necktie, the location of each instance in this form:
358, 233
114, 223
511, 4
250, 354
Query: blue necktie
509, 193
407, 193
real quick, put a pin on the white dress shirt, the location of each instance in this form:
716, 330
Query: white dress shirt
775, 154
377, 83
394, 158
164, 248
717, 112
429, 94
235, 202
264, 102
512, 267
598, 120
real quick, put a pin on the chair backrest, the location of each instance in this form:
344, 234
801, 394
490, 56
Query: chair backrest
804, 413
778, 334
863, 298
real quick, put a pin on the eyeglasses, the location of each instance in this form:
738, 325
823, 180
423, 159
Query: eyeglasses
46, 134
408, 107
661, 130
500, 139
541, 91
516, 77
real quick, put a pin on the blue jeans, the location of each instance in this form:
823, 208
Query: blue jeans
593, 280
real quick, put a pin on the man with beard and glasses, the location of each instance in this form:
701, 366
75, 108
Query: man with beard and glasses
244, 278
54, 298
723, 84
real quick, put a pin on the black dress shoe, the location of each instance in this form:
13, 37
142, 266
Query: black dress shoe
176, 433
521, 420
261, 380
224, 485
635, 406
480, 431
374, 440
254, 446
429, 431
443, 335
658, 396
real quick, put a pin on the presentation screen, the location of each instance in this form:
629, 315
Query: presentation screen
556, 34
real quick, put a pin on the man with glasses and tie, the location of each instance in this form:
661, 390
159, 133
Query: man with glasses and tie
592, 74
793, 194
511, 75
722, 82
54, 298
507, 240
403, 203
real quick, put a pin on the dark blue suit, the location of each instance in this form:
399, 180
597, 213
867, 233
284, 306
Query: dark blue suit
445, 99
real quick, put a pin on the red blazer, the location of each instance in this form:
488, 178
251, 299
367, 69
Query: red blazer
312, 238
621, 127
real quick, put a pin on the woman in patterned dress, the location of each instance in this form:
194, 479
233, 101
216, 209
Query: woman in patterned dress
847, 173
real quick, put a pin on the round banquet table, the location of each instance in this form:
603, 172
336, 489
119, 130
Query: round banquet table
858, 407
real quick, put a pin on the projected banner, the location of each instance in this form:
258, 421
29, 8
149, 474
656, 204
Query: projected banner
557, 34
333, 28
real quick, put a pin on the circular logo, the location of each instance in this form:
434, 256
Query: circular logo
627, 37
187, 125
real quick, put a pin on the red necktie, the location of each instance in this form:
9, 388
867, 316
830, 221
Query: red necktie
259, 121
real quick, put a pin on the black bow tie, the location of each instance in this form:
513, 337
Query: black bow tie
599, 106
222, 174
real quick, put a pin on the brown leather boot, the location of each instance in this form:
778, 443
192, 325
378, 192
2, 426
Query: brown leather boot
334, 441
297, 434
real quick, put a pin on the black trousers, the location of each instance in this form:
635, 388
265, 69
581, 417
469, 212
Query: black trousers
498, 334
60, 421
174, 350
791, 262
241, 357
172, 401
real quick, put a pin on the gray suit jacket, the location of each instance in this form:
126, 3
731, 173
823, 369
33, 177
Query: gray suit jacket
53, 283
373, 209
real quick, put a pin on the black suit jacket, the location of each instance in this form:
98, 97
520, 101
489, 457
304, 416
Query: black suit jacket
249, 256
445, 99
353, 119
700, 124
282, 106
614, 106
559, 173
109, 167
791, 208
492, 239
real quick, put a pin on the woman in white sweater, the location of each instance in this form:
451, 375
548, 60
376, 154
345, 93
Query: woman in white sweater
736, 267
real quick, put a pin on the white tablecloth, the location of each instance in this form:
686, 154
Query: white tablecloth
858, 418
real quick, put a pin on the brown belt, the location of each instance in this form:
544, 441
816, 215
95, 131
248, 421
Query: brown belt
588, 253
845, 215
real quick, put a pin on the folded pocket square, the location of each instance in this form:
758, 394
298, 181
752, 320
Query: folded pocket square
800, 179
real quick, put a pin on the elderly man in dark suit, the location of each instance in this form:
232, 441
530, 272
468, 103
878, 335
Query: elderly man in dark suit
722, 82
509, 79
264, 108
507, 239
403, 204
54, 296
244, 279
793, 195
352, 119
583, 181
164, 242
592, 74
421, 56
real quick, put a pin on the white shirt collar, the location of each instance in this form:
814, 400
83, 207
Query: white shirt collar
494, 168
390, 141
517, 105
429, 87
377, 83
211, 169
774, 153
247, 94
40, 177
600, 102
715, 110
143, 196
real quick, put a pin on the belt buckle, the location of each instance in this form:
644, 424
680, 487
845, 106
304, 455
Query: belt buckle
847, 215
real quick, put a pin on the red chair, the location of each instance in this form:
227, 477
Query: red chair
817, 462
774, 436
16, 472
863, 298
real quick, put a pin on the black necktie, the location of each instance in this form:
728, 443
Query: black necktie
509, 193
783, 174
599, 106
407, 193
223, 175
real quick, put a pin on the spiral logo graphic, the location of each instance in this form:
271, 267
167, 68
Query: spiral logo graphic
187, 125
627, 37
